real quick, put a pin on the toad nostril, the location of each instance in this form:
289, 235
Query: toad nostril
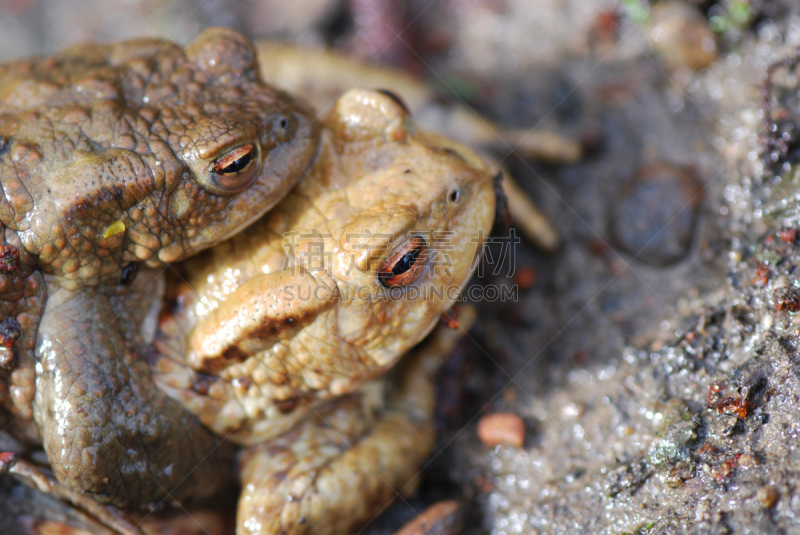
280, 128
454, 195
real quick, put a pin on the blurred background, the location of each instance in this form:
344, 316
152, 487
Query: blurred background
647, 89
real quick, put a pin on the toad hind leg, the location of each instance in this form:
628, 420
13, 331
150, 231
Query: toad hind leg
335, 473
107, 429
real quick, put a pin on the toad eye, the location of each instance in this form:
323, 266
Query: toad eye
405, 265
236, 169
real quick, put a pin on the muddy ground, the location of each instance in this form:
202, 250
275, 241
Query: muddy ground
654, 356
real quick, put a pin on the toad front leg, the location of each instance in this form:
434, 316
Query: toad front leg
107, 429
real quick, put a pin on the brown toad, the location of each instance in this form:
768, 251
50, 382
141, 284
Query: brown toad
280, 338
113, 156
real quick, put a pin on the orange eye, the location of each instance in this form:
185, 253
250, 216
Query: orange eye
236, 169
405, 265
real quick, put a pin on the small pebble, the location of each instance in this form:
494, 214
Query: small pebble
788, 235
525, 277
747, 461
681, 35
767, 496
502, 428
655, 216
441, 518
786, 299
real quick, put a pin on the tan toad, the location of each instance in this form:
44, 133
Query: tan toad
279, 338
110, 157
